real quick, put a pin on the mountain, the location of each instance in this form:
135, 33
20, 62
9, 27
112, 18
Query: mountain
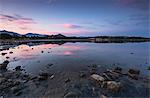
57, 36
9, 33
35, 35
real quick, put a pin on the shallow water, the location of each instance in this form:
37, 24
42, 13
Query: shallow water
73, 56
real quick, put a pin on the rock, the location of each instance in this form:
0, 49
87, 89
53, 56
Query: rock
15, 89
3, 54
2, 80
52, 76
148, 67
67, 80
113, 86
42, 51
97, 77
3, 66
18, 68
131, 53
94, 66
7, 57
10, 52
71, 95
118, 69
81, 75
102, 96
43, 76
133, 73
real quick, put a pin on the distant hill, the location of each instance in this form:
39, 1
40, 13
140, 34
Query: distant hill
35, 35
10, 33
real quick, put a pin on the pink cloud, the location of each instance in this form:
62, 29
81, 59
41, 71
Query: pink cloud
69, 26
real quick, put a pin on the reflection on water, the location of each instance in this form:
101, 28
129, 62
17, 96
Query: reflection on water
72, 56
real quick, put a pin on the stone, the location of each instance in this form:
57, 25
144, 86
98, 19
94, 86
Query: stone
15, 89
3, 54
4, 65
10, 52
18, 68
2, 80
118, 69
67, 80
81, 75
42, 51
102, 96
7, 57
71, 95
43, 76
97, 77
52, 76
113, 86
134, 71
148, 67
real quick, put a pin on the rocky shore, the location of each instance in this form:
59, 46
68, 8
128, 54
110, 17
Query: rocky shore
87, 83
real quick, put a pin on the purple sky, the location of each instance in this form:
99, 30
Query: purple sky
76, 17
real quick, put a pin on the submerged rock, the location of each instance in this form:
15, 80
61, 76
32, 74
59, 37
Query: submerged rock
113, 86
3, 66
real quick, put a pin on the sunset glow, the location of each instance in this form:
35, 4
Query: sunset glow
74, 18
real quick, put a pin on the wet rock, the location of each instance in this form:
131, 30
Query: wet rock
43, 76
15, 89
67, 80
133, 73
7, 57
3, 54
2, 80
3, 66
71, 95
97, 77
148, 67
52, 76
10, 52
82, 75
113, 86
118, 69
102, 96
18, 68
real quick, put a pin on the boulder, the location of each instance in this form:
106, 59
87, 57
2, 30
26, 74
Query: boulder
148, 67
97, 77
113, 86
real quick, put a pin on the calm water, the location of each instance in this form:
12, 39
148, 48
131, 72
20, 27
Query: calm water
73, 56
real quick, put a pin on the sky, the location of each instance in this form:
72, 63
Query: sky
76, 17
